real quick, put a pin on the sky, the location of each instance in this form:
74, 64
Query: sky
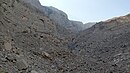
90, 10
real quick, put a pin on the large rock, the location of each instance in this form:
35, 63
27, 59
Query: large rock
22, 64
33, 71
8, 45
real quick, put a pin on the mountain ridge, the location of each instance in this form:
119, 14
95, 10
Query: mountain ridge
60, 17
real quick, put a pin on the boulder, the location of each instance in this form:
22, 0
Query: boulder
33, 71
8, 45
21, 64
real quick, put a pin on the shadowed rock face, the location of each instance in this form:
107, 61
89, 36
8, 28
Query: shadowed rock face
31, 42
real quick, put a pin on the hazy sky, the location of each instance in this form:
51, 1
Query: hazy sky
90, 10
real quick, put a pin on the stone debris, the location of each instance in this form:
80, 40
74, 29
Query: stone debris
40, 39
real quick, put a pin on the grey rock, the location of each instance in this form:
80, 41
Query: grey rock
3, 60
21, 64
11, 58
8, 46
33, 71
41, 71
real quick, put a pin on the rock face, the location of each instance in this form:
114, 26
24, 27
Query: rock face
57, 16
31, 42
61, 18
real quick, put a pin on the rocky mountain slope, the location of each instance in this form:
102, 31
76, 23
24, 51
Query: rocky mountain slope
33, 42
61, 18
29, 41
105, 46
57, 15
